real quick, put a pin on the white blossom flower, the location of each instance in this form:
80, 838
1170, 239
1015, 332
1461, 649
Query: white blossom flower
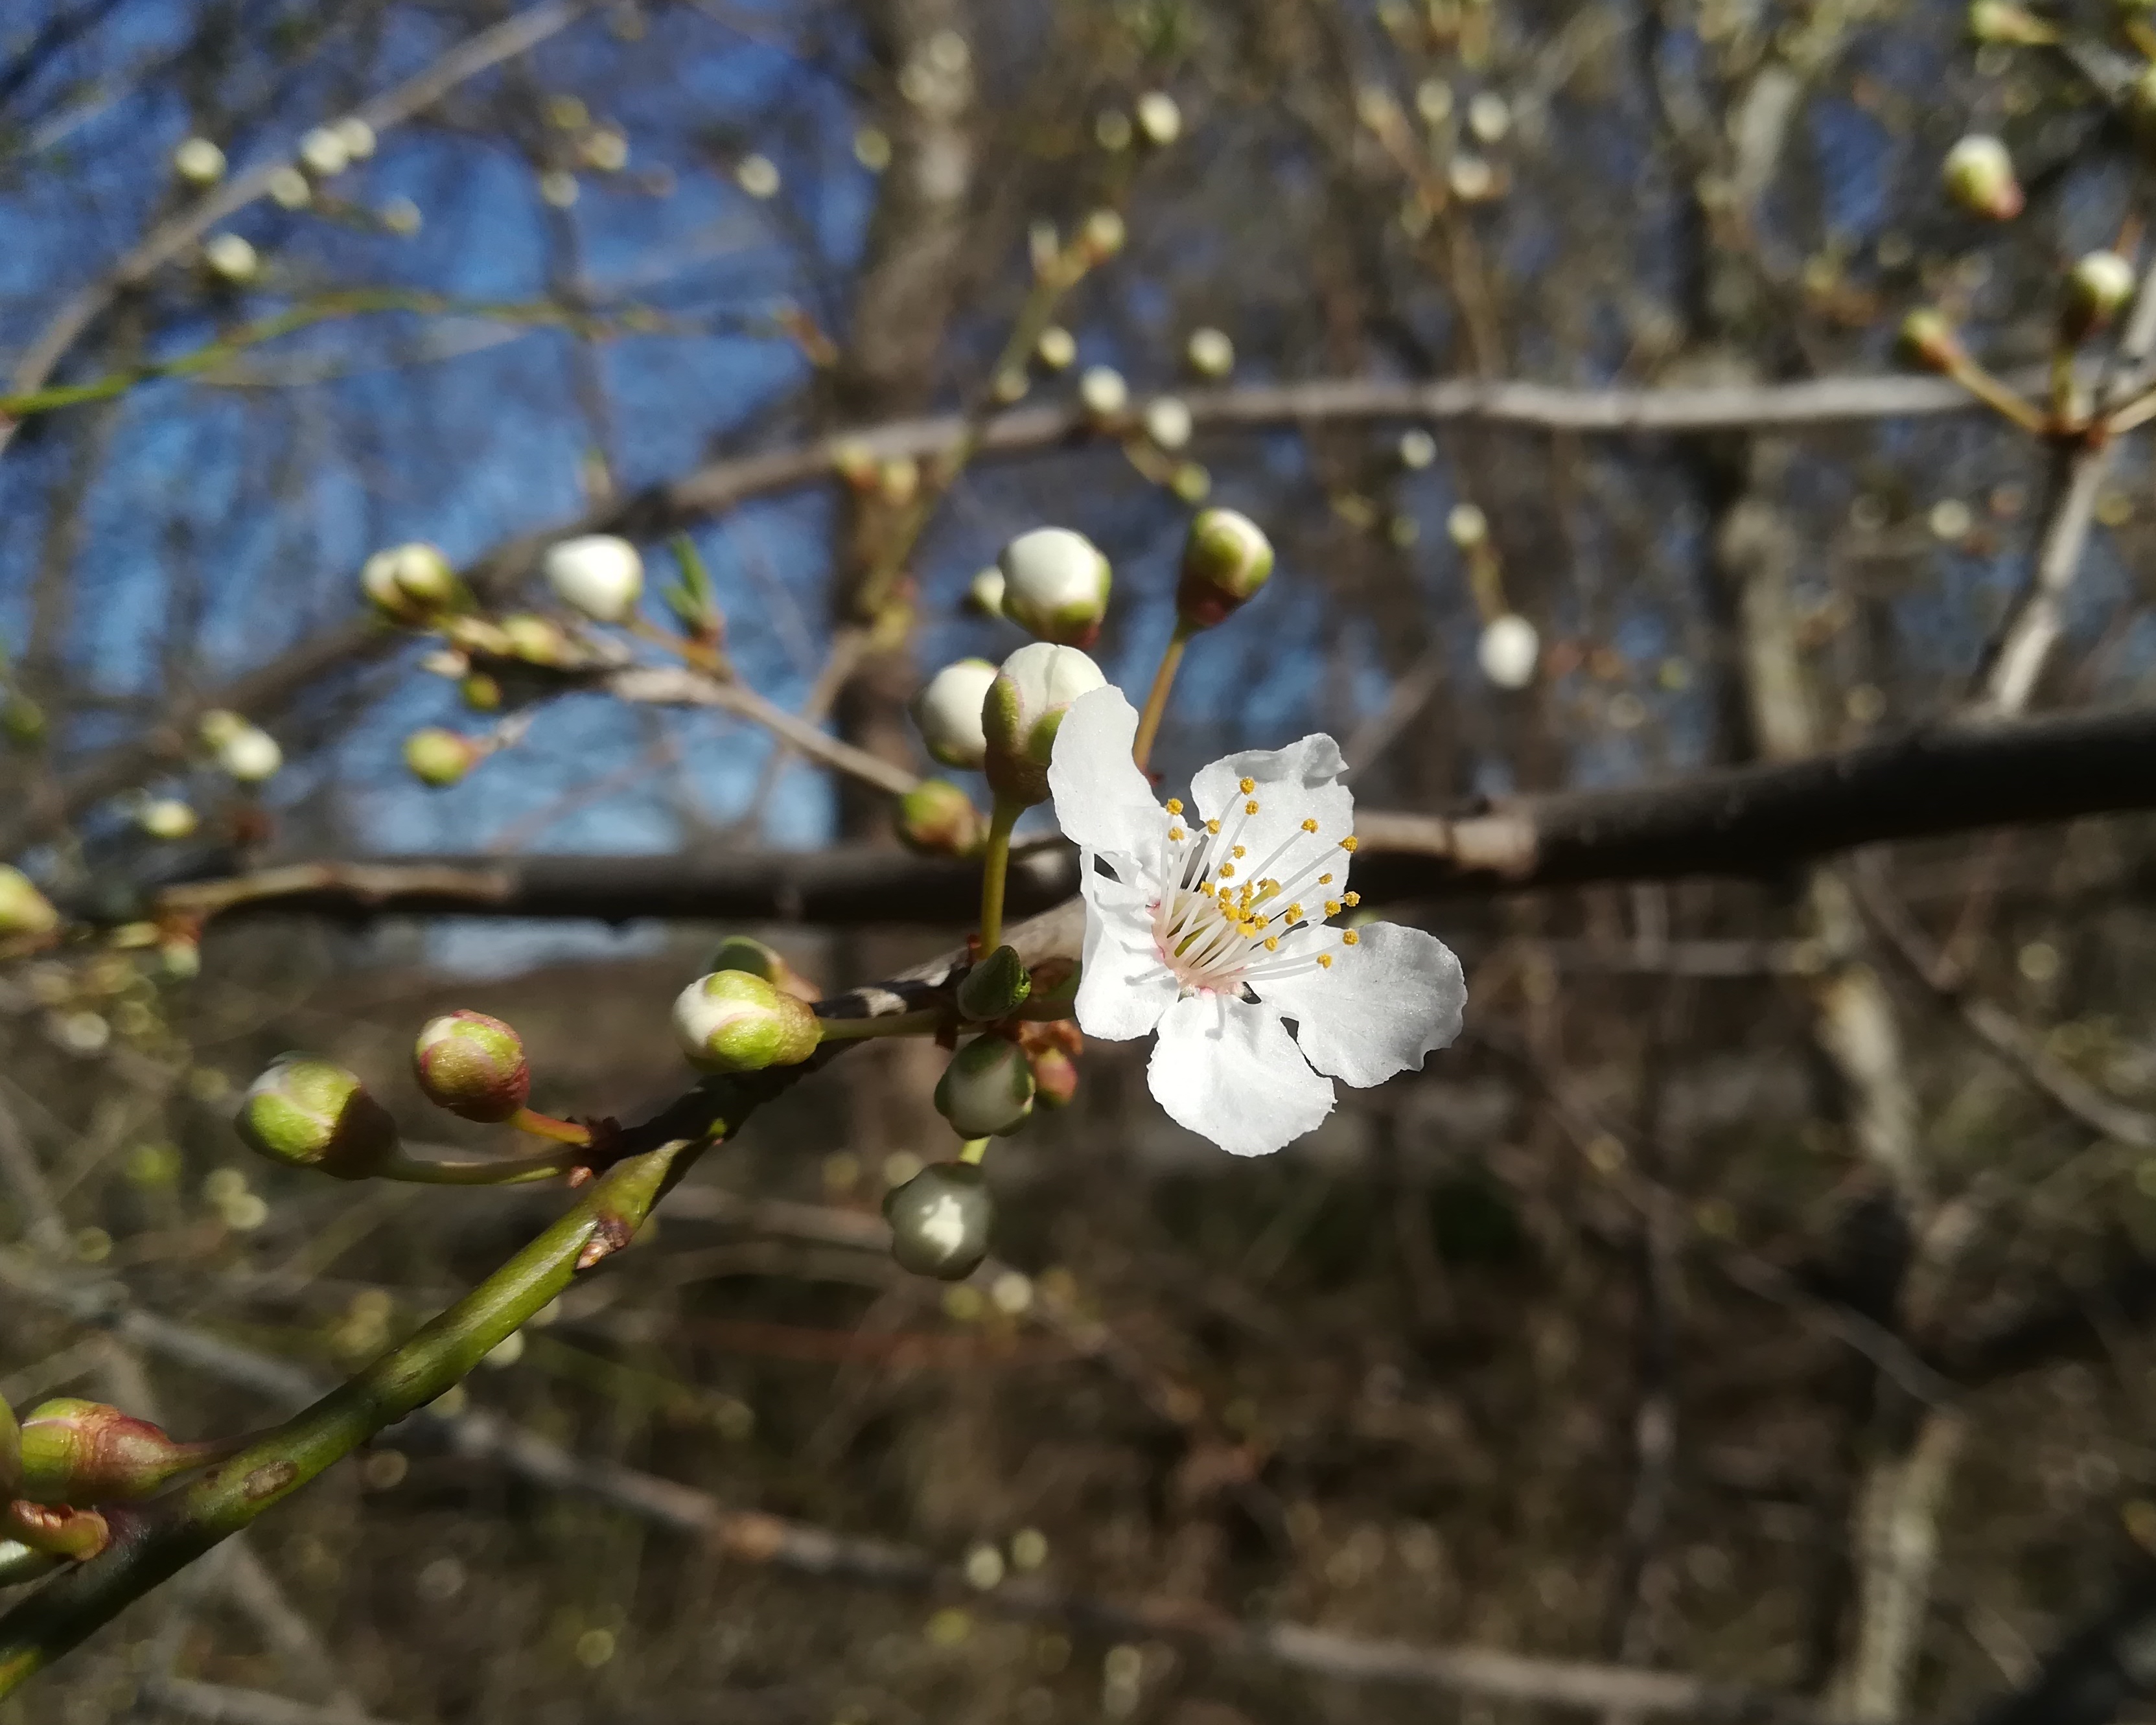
596, 574
1211, 929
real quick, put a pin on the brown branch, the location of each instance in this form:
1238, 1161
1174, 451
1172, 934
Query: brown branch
1739, 821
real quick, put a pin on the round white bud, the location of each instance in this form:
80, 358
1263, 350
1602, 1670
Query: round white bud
357, 136
1418, 449
948, 712
985, 593
1209, 353
1167, 421
1978, 176
324, 152
1103, 392
1508, 651
598, 574
1159, 118
166, 818
250, 755
1467, 525
199, 163
1024, 710
757, 175
231, 257
1055, 348
1055, 585
289, 189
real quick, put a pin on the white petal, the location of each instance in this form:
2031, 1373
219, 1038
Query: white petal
1102, 801
1228, 1069
1124, 987
1385, 1002
1298, 783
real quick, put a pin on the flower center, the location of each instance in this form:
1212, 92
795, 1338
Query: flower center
1221, 921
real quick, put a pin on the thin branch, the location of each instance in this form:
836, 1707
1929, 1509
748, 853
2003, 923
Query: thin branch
221, 1704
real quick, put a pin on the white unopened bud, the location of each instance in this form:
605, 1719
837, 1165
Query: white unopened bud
1508, 651
1159, 119
1055, 585
1024, 710
558, 188
1418, 449
199, 163
948, 712
401, 217
732, 1021
250, 755
2098, 288
231, 257
1100, 236
1103, 392
1226, 559
985, 593
409, 583
1056, 348
166, 818
606, 150
1167, 421
324, 152
1209, 353
757, 175
1467, 526
357, 136
1978, 176
289, 189
598, 574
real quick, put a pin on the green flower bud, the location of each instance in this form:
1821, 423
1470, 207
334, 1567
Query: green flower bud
312, 1113
440, 757
481, 693
1978, 176
984, 593
166, 818
410, 583
472, 1065
1927, 340
937, 818
1025, 706
1056, 586
1054, 1077
23, 910
995, 987
742, 952
2098, 288
537, 641
1225, 561
947, 710
80, 1452
940, 1220
731, 1021
987, 1091
218, 727
22, 719
10, 1452
1100, 236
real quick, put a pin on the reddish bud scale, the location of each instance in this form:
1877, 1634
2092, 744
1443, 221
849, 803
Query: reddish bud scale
80, 1452
473, 1065
59, 1532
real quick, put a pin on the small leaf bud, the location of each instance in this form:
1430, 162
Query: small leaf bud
410, 583
1100, 236
1209, 353
441, 758
249, 755
984, 593
311, 1113
731, 1021
1025, 708
1160, 121
23, 910
80, 1452
742, 952
1978, 176
1055, 348
1168, 422
1054, 1077
2098, 288
199, 163
596, 574
324, 153
940, 1220
1103, 392
995, 987
1056, 586
937, 818
987, 1091
1226, 559
166, 818
947, 711
231, 258
1508, 651
1927, 340
472, 1065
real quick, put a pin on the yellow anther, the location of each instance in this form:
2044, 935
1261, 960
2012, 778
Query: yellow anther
1354, 898
1310, 826
1347, 842
1226, 869
1272, 943
1325, 880
1348, 937
1175, 805
1250, 807
1205, 887
1293, 913
1235, 851
1249, 785
1332, 907
1325, 961
1176, 836
1212, 826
